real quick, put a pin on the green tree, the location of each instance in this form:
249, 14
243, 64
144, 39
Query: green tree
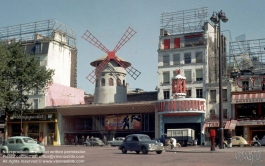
20, 73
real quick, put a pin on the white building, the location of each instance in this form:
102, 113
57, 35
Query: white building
187, 42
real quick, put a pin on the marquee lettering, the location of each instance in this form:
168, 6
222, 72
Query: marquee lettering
184, 105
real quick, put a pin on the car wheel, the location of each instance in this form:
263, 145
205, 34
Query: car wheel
109, 144
159, 152
225, 146
137, 152
256, 144
123, 150
3, 151
26, 152
17, 155
96, 144
39, 155
241, 145
144, 150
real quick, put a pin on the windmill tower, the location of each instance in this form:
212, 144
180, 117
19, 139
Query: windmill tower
110, 71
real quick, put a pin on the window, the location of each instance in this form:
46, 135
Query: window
128, 139
198, 57
166, 78
245, 85
188, 93
224, 94
166, 60
38, 48
199, 75
193, 40
199, 93
102, 82
18, 141
166, 44
11, 141
212, 95
188, 75
187, 58
225, 113
111, 82
118, 82
166, 94
177, 43
176, 59
35, 103
212, 112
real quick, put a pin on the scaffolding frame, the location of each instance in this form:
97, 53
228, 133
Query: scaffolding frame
28, 31
186, 21
247, 55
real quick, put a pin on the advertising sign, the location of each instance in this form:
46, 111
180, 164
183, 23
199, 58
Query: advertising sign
123, 122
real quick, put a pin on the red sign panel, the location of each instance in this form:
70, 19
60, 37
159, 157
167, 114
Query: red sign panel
123, 122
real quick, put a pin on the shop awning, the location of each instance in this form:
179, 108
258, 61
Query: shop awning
232, 125
248, 98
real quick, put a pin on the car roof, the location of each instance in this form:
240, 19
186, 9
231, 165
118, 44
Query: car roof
18, 137
137, 135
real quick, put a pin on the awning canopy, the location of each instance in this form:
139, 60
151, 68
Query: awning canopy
248, 98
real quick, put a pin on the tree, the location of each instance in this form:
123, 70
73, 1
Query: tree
20, 73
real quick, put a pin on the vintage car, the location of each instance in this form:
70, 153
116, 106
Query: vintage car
117, 142
140, 143
94, 142
237, 141
259, 142
22, 145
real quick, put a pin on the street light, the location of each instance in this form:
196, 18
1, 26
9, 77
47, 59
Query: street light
216, 17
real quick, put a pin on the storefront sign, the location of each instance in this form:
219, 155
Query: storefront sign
250, 122
252, 79
123, 122
181, 105
248, 101
33, 117
215, 124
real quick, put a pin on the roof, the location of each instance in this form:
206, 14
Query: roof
137, 135
99, 60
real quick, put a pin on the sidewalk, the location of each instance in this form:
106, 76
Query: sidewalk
203, 149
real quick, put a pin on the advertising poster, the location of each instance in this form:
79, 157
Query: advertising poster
123, 122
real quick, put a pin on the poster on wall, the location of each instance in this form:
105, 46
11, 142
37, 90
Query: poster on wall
123, 122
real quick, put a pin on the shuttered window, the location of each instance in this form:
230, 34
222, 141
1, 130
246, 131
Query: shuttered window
166, 77
177, 43
188, 75
199, 75
166, 60
176, 59
166, 44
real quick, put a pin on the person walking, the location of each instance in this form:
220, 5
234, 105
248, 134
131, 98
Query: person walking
83, 139
49, 140
76, 140
105, 140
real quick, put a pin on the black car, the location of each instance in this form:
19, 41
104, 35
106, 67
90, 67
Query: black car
141, 143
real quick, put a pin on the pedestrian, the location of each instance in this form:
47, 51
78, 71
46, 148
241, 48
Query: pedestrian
83, 139
105, 140
195, 142
76, 140
87, 138
49, 140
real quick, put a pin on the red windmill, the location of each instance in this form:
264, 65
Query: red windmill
111, 55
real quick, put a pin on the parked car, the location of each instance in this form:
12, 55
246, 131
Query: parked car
22, 145
140, 143
161, 140
117, 142
259, 142
94, 142
237, 141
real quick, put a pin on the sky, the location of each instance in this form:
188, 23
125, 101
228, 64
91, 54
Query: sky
107, 20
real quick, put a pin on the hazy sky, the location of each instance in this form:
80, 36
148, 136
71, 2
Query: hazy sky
108, 20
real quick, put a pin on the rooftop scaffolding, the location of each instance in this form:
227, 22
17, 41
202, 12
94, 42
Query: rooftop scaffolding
27, 32
247, 55
186, 21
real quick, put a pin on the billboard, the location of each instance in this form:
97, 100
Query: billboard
123, 122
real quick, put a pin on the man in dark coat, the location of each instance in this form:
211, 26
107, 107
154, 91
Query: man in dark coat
76, 140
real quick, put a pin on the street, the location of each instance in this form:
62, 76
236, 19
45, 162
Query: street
184, 156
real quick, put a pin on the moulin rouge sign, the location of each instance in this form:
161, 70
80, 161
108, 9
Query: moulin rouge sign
181, 105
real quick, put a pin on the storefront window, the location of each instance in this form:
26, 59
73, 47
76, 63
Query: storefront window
33, 128
51, 127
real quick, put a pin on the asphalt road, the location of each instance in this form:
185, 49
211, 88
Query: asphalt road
111, 156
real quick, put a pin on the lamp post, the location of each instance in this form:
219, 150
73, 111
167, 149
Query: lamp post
216, 17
